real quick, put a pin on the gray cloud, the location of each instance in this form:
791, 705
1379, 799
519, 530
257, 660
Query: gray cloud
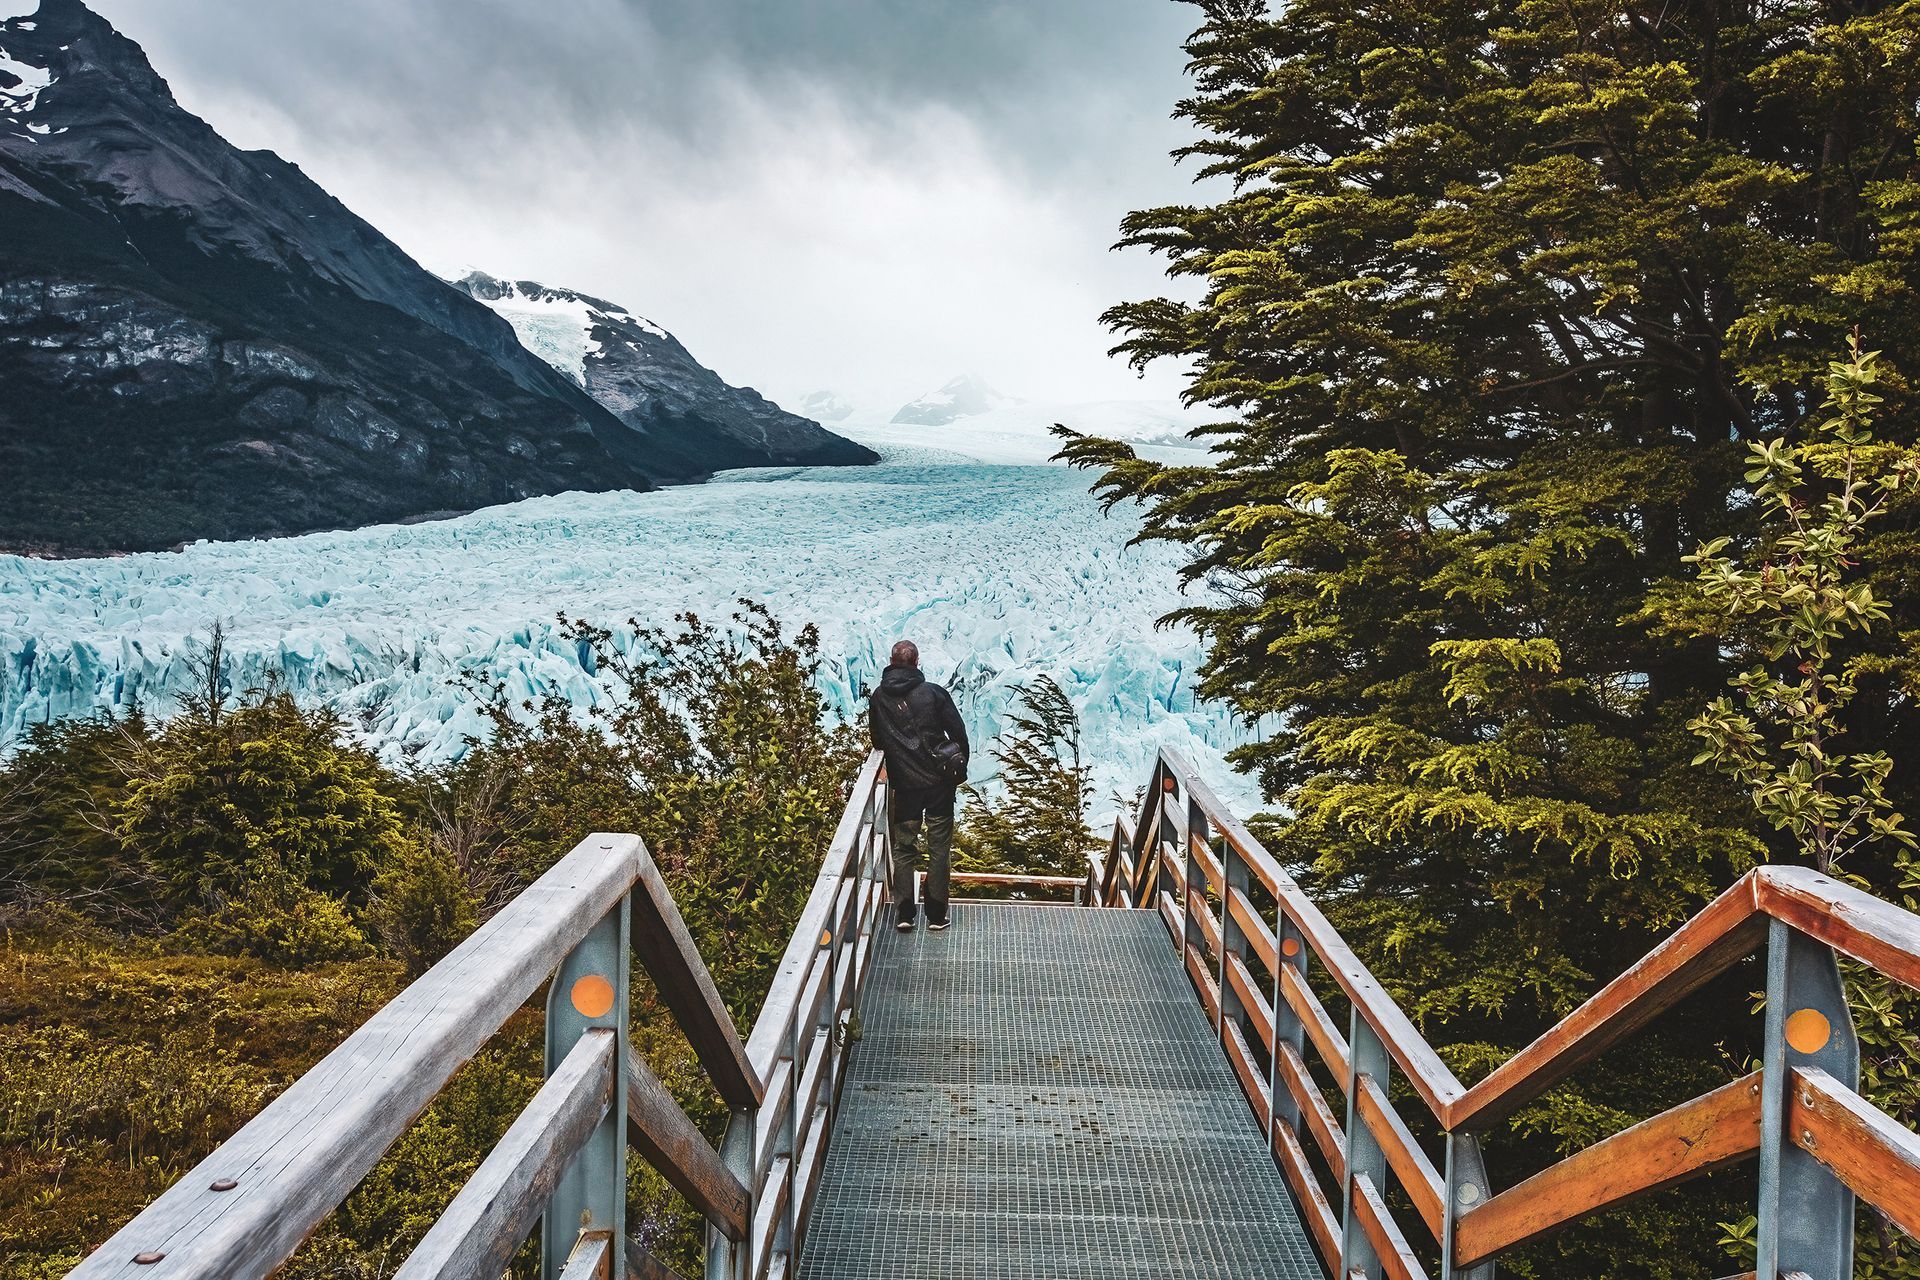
855, 194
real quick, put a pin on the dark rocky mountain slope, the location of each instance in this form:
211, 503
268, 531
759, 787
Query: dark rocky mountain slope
646, 377
199, 342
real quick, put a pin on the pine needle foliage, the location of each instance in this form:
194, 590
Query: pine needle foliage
1494, 298
1037, 822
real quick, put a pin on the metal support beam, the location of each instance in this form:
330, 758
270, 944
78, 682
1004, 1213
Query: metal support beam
590, 990
1467, 1189
1235, 877
1290, 950
1367, 1057
1805, 1213
733, 1259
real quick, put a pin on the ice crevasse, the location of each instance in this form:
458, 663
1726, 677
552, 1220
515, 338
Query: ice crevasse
1000, 571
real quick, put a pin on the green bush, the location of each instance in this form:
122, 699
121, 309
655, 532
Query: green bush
422, 906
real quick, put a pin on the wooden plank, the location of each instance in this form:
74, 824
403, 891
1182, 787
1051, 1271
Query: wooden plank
1710, 1132
592, 1257
1326, 1038
1396, 1258
1326, 1131
665, 949
768, 1214
1728, 929
1259, 933
806, 1182
300, 1156
1255, 1005
494, 1211
1871, 930
1250, 1082
1430, 1078
1308, 1198
769, 1037
1865, 1147
1202, 912
1203, 983
1170, 916
659, 1130
1007, 878
642, 1265
772, 1114
1209, 866
1409, 1163
1170, 867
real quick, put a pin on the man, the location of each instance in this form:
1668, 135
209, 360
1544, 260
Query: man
917, 727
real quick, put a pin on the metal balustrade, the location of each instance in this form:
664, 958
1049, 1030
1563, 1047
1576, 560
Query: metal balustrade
1818, 1143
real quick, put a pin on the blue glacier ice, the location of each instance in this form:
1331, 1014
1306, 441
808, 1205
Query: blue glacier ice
999, 564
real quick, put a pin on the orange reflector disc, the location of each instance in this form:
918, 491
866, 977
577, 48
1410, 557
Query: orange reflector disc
1290, 946
1808, 1031
592, 996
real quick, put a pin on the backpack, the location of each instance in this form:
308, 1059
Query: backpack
945, 760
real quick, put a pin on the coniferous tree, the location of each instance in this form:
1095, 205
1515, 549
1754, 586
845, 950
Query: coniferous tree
1037, 824
1498, 295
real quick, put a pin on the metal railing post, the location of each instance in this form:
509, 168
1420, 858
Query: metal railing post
1367, 1057
590, 990
1290, 952
1467, 1186
733, 1259
1805, 1214
1234, 878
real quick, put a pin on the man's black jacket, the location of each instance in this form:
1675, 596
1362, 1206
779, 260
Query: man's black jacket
910, 716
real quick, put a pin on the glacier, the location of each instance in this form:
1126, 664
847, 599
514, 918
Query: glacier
965, 539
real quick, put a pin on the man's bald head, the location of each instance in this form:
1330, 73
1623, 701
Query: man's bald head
905, 654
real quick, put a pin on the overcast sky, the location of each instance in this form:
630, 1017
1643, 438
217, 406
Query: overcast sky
864, 195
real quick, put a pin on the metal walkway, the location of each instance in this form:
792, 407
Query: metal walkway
1036, 1093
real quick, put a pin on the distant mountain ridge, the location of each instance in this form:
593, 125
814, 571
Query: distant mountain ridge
644, 375
199, 342
966, 396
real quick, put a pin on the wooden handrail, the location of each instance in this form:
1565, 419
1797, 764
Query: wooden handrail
1863, 1145
481, 1229
288, 1167
665, 949
659, 1130
1708, 1133
1431, 1078
1223, 934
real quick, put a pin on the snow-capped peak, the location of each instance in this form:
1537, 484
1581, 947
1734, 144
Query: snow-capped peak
555, 324
963, 397
21, 83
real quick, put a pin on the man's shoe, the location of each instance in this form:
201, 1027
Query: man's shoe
936, 923
905, 925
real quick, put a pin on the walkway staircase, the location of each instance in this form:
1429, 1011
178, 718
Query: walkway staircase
1051, 1091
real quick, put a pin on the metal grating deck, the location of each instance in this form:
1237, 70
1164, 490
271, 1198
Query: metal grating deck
1038, 1094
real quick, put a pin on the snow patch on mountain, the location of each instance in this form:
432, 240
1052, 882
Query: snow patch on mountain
21, 83
555, 324
12, 11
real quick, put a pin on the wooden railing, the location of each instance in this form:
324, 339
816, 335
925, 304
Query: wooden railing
1819, 1144
245, 1209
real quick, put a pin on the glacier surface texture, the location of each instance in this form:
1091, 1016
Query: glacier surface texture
998, 564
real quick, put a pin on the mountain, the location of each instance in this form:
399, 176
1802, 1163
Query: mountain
199, 342
827, 406
964, 397
651, 382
